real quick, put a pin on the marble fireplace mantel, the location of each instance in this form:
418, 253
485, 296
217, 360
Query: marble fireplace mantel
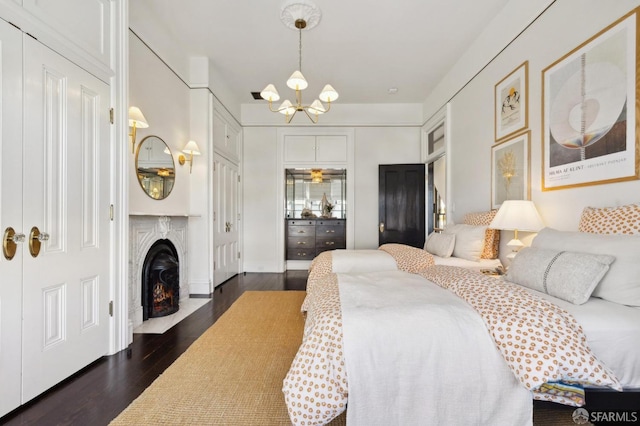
144, 230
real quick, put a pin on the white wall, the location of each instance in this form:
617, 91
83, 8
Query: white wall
164, 100
375, 146
260, 210
263, 211
564, 26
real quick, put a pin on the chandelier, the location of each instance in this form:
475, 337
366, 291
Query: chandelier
302, 14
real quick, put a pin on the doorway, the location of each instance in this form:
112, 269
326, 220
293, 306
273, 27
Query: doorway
401, 204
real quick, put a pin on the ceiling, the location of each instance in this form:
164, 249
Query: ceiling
360, 47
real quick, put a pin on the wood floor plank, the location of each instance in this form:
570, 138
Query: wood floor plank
98, 393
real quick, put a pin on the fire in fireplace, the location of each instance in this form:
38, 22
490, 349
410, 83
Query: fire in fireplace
160, 281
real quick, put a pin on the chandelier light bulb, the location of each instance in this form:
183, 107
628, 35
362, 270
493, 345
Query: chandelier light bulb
328, 94
287, 108
317, 108
297, 81
270, 93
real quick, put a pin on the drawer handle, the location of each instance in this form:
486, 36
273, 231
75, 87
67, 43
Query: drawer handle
300, 232
330, 231
302, 254
302, 242
330, 243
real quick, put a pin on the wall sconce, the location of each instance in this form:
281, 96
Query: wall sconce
136, 121
192, 149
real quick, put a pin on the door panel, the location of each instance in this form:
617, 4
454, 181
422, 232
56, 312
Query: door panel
10, 215
66, 147
401, 204
226, 219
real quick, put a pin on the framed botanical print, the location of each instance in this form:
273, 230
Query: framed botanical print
511, 100
589, 120
510, 171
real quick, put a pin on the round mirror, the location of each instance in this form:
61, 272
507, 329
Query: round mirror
156, 170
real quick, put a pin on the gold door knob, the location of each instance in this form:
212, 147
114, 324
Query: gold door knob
35, 241
381, 227
9, 246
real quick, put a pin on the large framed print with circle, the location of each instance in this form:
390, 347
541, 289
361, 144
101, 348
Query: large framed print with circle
589, 118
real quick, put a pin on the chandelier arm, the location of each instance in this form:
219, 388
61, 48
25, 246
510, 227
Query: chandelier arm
328, 106
288, 117
298, 98
315, 121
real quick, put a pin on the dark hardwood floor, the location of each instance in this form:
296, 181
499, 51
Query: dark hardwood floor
98, 393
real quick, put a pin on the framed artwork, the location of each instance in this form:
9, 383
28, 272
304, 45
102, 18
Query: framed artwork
589, 117
511, 99
510, 170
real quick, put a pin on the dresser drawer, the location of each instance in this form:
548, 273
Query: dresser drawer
301, 242
329, 231
330, 243
301, 253
301, 231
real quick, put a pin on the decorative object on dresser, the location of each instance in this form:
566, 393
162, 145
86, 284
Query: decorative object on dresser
517, 215
306, 238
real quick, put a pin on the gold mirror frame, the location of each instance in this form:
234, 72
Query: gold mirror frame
155, 167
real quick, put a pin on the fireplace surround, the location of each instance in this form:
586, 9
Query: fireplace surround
145, 232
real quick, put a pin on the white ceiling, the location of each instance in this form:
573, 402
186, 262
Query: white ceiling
362, 48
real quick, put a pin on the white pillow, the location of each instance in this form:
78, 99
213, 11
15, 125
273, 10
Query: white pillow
440, 244
622, 283
567, 275
469, 240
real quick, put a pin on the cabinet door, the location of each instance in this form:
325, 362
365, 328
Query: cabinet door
91, 33
299, 149
10, 215
66, 178
331, 149
225, 238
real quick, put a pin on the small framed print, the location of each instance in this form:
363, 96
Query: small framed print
511, 99
510, 171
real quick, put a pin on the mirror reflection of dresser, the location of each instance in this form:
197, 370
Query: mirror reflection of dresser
155, 167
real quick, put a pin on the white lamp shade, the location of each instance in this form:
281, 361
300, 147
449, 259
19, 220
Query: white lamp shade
317, 107
191, 148
270, 93
517, 215
328, 94
297, 81
136, 118
286, 108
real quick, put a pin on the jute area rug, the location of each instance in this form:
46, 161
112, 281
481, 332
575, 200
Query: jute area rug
232, 375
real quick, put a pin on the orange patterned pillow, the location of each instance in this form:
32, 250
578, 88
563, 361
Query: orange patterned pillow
611, 220
491, 236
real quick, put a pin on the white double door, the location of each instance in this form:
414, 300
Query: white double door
226, 250
54, 175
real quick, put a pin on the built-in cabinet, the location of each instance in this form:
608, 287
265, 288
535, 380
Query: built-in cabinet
55, 144
308, 238
315, 149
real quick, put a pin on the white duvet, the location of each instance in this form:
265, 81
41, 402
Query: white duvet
433, 360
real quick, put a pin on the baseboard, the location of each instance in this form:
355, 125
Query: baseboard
262, 267
200, 288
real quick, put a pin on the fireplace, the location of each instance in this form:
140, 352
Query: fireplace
160, 281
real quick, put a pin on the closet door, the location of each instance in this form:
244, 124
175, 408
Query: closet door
225, 238
66, 187
10, 215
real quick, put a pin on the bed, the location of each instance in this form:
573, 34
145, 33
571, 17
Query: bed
438, 349
472, 245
